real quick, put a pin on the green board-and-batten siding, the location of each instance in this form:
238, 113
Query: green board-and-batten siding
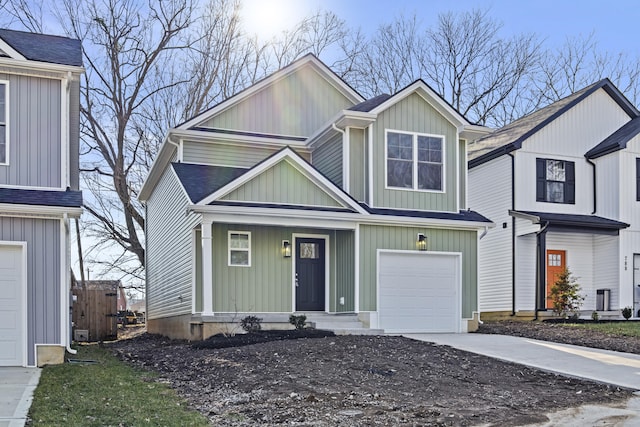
374, 237
414, 114
296, 105
267, 285
462, 167
238, 156
328, 159
282, 183
357, 162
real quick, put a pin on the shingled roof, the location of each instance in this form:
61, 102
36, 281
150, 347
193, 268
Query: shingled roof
44, 47
72, 199
511, 136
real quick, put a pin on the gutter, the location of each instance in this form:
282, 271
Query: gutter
595, 192
513, 234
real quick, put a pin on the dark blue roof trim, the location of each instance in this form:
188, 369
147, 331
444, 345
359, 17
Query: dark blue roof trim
604, 84
570, 220
199, 181
616, 141
44, 47
17, 196
370, 104
460, 216
260, 135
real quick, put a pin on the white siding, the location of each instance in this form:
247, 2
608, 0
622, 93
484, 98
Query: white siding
525, 273
629, 246
629, 206
169, 255
494, 257
580, 256
608, 177
606, 254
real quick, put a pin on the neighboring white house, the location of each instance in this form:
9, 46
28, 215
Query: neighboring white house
39, 138
563, 187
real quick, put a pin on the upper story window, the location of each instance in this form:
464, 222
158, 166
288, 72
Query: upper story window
240, 248
3, 123
415, 161
555, 181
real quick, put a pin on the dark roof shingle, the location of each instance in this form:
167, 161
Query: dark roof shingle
44, 47
18, 196
199, 181
617, 140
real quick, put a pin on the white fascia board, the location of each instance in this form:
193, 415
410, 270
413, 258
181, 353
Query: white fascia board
323, 70
13, 54
41, 66
221, 137
342, 120
10, 209
157, 167
290, 156
473, 132
426, 222
429, 96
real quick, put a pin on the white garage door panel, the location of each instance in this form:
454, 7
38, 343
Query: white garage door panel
12, 338
419, 292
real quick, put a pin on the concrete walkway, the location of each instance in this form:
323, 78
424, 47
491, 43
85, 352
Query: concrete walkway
610, 367
16, 393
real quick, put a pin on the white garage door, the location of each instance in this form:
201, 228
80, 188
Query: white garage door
12, 336
418, 292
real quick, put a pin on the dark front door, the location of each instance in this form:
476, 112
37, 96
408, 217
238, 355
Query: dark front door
310, 274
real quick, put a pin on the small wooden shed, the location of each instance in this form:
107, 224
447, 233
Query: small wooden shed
95, 310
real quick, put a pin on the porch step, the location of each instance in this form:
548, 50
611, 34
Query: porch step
340, 324
357, 331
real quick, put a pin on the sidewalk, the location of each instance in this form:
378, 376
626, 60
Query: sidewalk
610, 367
16, 393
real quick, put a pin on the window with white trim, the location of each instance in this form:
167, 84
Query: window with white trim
239, 248
415, 161
555, 181
3, 123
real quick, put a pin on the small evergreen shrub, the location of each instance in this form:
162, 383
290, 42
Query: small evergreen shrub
565, 295
595, 316
251, 324
627, 312
298, 322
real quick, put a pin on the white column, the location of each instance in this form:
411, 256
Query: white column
207, 268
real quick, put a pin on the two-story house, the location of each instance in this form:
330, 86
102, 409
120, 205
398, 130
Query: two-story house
299, 196
39, 138
563, 186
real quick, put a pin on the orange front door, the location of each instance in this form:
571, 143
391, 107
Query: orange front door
556, 263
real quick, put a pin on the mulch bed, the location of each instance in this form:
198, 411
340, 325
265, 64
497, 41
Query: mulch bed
355, 380
240, 340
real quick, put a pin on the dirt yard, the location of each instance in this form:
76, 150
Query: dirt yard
357, 380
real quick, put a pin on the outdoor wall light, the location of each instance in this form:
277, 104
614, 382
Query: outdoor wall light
286, 249
421, 242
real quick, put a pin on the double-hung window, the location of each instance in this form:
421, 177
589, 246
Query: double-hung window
4, 152
555, 181
240, 248
415, 161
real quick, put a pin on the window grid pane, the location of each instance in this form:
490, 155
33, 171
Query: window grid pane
555, 170
239, 247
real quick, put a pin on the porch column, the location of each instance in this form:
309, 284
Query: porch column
207, 268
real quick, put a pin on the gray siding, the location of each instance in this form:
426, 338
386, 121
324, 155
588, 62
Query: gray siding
296, 105
34, 132
43, 277
414, 114
74, 135
169, 257
328, 159
357, 162
373, 238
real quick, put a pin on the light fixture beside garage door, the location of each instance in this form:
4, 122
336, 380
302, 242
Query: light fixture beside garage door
421, 242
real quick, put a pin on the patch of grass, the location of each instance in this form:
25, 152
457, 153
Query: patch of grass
624, 329
107, 393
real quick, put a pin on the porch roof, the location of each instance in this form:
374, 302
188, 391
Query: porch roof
467, 215
586, 222
199, 181
54, 198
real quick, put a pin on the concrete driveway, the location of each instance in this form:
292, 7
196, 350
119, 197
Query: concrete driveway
16, 393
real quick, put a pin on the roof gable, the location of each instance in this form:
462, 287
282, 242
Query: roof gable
284, 179
52, 49
616, 141
284, 100
511, 136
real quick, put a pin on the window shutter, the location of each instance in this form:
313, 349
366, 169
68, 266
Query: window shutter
541, 176
570, 182
638, 179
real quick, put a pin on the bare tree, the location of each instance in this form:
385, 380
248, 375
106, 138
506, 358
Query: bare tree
28, 13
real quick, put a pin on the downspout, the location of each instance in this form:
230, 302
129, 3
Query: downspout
67, 288
539, 259
595, 192
513, 234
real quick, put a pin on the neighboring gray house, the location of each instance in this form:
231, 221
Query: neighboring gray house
39, 138
299, 196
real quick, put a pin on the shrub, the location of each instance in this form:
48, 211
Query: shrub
594, 316
627, 312
298, 322
251, 324
565, 295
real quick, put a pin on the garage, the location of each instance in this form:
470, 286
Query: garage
12, 311
419, 291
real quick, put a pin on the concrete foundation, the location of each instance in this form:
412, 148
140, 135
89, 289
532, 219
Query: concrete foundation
49, 355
